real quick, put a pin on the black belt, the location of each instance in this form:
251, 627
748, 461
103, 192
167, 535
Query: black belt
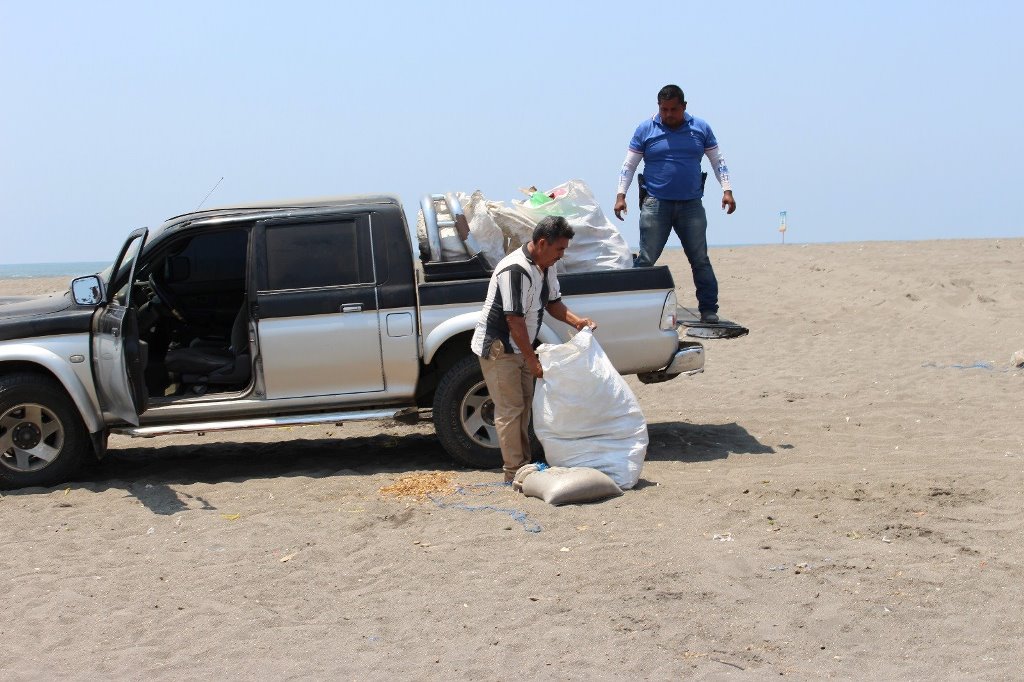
642, 184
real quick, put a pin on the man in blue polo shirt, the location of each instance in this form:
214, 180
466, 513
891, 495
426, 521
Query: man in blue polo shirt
671, 146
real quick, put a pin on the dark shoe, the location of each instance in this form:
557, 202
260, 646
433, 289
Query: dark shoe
709, 318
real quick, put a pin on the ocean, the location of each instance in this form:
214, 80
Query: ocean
27, 270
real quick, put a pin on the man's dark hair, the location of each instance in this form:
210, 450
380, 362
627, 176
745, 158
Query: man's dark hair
671, 92
552, 228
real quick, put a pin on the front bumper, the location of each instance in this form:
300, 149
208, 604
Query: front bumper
688, 359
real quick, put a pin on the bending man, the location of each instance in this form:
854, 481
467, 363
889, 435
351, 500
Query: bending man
522, 287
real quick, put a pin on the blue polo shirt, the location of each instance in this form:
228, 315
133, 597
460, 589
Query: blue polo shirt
672, 157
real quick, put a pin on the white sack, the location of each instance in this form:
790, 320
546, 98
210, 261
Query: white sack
499, 229
562, 485
482, 226
517, 228
598, 244
584, 413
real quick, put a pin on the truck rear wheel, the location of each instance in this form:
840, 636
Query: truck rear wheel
464, 416
42, 438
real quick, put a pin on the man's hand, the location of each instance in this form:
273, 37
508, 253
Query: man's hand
533, 363
517, 330
620, 206
558, 311
728, 203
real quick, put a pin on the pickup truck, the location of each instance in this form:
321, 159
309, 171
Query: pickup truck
285, 313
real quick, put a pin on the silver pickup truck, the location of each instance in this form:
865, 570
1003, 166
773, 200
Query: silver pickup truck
286, 313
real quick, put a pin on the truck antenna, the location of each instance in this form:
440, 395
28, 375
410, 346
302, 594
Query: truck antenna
210, 192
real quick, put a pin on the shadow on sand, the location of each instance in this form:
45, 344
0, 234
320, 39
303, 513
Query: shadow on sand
153, 475
682, 442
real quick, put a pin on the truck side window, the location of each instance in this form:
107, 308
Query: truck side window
216, 257
326, 254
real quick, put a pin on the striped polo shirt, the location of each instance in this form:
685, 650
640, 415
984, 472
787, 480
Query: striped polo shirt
517, 287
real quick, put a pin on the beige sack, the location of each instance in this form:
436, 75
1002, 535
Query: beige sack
565, 485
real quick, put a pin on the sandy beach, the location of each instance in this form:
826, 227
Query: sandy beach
839, 495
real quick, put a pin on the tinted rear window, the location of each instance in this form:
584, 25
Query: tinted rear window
317, 255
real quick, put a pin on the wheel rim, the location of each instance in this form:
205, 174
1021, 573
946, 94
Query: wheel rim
31, 437
476, 414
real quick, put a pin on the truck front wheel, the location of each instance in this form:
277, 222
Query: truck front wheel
464, 416
42, 437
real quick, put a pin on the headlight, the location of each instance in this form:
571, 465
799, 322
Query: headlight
668, 311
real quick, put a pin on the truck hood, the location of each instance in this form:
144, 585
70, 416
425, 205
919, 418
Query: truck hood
17, 306
46, 315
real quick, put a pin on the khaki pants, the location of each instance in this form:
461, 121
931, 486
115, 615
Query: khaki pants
510, 384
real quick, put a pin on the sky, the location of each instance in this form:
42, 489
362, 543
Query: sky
863, 120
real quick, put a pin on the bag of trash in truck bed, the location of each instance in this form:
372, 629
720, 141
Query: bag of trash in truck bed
598, 244
497, 229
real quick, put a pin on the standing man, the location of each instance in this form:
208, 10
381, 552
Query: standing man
523, 285
671, 146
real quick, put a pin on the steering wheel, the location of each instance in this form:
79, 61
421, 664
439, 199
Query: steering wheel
166, 298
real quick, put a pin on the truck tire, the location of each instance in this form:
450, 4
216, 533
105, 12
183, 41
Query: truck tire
464, 416
42, 437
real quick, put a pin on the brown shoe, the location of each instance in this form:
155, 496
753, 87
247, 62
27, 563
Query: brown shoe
510, 476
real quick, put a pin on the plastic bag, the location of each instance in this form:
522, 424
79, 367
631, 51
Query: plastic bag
598, 244
517, 228
584, 413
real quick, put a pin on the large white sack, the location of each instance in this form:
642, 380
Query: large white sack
585, 414
598, 244
517, 228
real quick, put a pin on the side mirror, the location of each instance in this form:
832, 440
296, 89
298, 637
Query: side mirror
87, 290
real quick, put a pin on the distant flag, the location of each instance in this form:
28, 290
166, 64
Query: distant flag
782, 225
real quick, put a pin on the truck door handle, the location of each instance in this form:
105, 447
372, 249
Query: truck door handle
351, 307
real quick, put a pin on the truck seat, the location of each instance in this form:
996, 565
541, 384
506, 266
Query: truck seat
207, 365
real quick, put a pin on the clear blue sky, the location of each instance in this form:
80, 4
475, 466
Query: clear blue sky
864, 120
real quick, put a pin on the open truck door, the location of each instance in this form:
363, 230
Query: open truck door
118, 356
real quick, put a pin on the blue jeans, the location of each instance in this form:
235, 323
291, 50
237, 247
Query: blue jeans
658, 218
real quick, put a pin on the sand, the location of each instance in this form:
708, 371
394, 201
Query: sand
838, 495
